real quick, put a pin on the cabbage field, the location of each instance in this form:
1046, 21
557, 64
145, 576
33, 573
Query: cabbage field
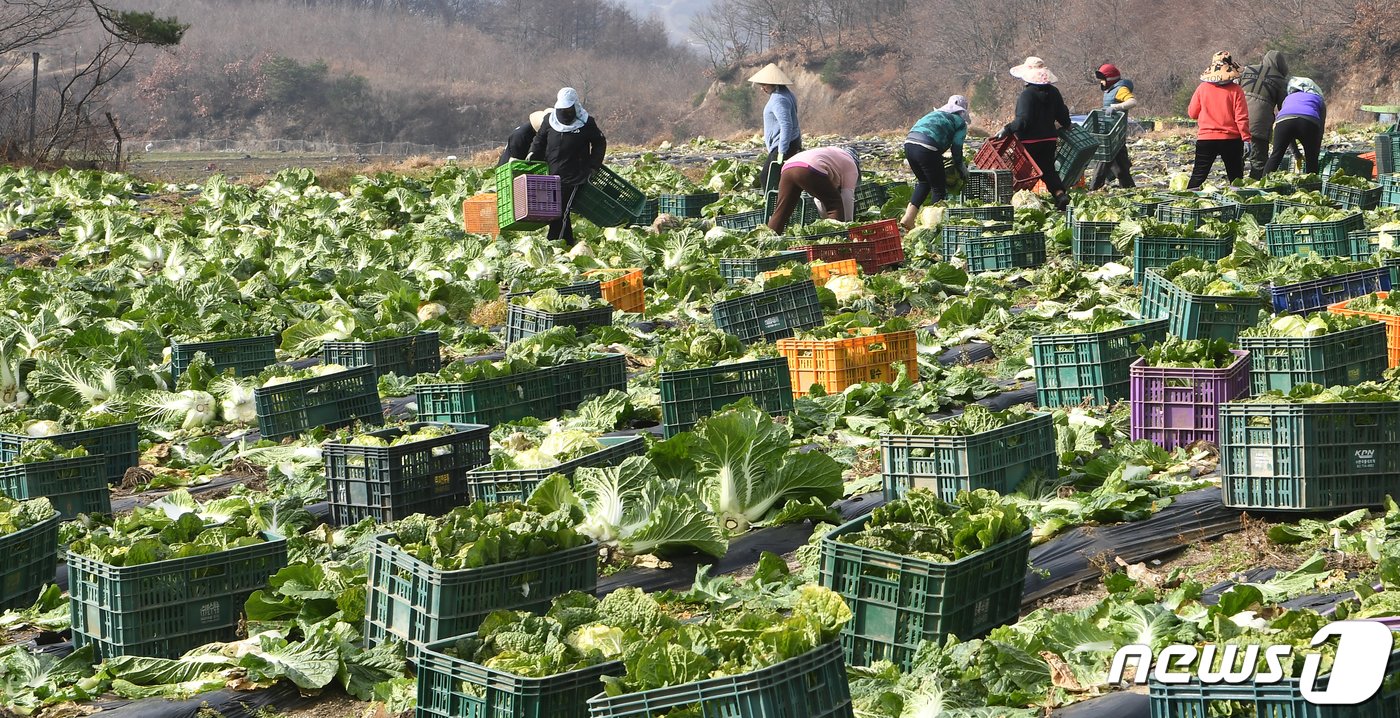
315, 445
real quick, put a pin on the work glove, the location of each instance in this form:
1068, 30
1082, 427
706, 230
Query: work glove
1000, 135
1248, 149
1110, 110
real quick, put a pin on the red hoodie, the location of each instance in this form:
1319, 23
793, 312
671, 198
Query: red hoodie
1220, 112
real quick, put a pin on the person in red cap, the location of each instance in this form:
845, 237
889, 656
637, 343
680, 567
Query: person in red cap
1117, 97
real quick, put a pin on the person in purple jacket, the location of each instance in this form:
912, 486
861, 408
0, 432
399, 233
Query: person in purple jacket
1301, 119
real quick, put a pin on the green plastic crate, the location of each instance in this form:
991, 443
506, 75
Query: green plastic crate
31, 561
1341, 358
1197, 316
686, 205
1110, 131
956, 236
332, 400
999, 459
405, 356
1387, 152
1351, 163
505, 193
1161, 252
994, 212
608, 200
494, 486
119, 443
524, 322
1074, 153
1278, 700
690, 395
1262, 212
166, 608
1309, 457
1390, 190
1146, 207
1353, 197
73, 486
870, 194
246, 356
577, 382
742, 221
589, 288
650, 209
1072, 369
812, 685
994, 253
453, 687
899, 602
490, 401
771, 314
734, 270
419, 604
1226, 211
387, 483
1092, 242
1325, 239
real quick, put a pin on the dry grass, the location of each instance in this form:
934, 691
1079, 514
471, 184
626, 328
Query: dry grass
490, 314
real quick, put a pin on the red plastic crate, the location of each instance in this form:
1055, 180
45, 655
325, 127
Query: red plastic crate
1391, 322
875, 247
537, 198
1178, 407
1009, 154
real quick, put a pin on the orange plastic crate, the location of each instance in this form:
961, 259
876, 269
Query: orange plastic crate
838, 363
1391, 322
625, 293
479, 214
822, 272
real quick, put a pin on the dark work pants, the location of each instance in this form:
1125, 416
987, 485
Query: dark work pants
930, 176
793, 148
1120, 166
1296, 129
563, 228
792, 183
1231, 152
1044, 155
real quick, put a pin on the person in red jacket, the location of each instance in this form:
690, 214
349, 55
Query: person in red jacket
1222, 120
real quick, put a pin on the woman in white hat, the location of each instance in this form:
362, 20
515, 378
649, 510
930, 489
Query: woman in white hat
1038, 110
570, 142
782, 136
829, 174
518, 144
937, 132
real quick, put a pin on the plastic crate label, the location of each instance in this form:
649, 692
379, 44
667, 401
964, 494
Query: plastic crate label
1367, 459
1261, 462
774, 323
210, 613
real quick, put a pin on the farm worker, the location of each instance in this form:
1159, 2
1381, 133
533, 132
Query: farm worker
1301, 119
518, 144
781, 134
1038, 110
570, 142
937, 132
1117, 97
829, 174
1265, 86
1222, 120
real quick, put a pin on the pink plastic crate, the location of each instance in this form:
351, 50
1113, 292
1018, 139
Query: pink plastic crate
537, 198
1178, 407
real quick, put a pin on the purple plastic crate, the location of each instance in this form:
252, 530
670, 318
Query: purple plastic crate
1178, 407
537, 198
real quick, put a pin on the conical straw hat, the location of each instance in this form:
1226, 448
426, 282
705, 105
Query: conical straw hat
771, 75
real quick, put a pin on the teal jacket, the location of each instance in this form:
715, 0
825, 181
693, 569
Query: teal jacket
943, 130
